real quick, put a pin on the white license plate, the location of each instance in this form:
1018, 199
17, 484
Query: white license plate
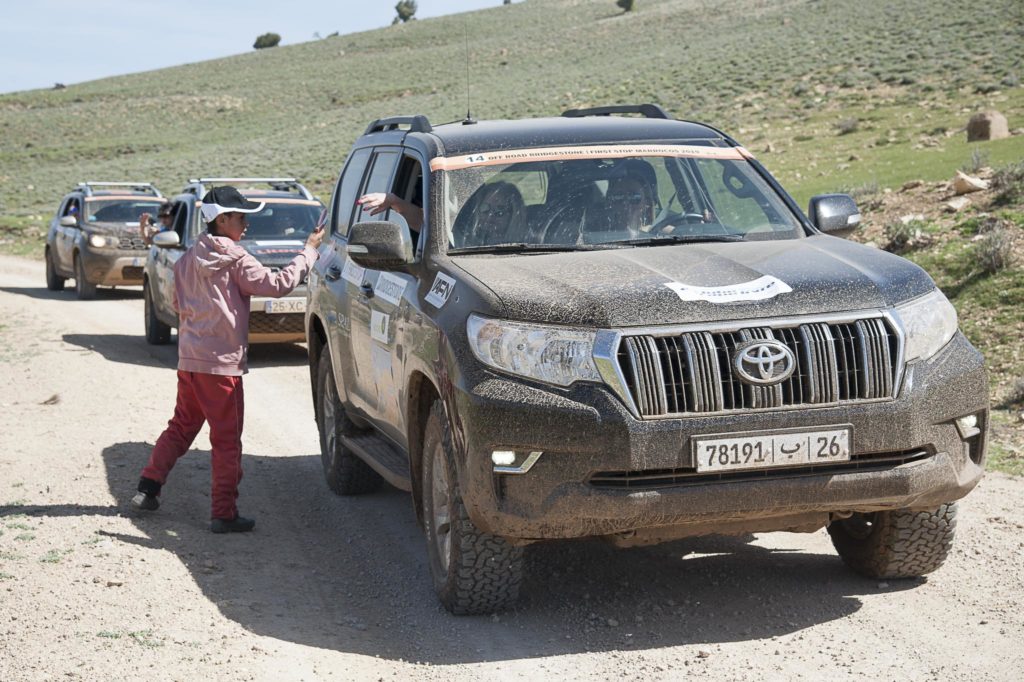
285, 305
772, 449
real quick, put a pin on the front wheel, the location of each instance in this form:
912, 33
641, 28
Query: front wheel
83, 288
54, 282
895, 544
474, 572
345, 472
157, 333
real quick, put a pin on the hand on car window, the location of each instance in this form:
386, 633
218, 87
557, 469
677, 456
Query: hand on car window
376, 202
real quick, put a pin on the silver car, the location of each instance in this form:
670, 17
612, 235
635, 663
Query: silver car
275, 236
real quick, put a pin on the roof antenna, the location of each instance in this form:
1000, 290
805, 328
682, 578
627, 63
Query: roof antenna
469, 116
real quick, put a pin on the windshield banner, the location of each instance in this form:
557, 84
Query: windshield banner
506, 156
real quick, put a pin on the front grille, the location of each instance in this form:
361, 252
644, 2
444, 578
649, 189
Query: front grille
276, 323
132, 244
667, 478
693, 372
131, 272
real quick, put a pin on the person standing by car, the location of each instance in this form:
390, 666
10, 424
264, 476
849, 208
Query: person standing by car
147, 228
213, 282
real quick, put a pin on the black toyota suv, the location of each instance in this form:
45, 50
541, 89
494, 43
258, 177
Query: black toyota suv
622, 326
274, 237
94, 236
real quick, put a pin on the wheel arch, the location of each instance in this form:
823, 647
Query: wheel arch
316, 342
422, 394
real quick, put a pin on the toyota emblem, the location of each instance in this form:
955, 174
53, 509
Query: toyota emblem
763, 363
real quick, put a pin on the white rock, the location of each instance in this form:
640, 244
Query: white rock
956, 204
965, 184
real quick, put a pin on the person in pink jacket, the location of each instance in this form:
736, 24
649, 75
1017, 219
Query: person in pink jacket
213, 282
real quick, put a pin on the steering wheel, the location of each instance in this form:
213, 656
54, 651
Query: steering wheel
675, 221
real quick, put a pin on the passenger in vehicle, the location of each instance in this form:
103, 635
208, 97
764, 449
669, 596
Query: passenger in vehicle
213, 282
147, 228
496, 215
631, 197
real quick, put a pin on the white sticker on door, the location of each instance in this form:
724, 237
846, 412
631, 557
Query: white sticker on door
758, 290
441, 289
390, 288
380, 323
353, 273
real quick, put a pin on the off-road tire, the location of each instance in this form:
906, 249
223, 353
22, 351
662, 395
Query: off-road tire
483, 572
157, 333
345, 472
895, 544
83, 289
54, 282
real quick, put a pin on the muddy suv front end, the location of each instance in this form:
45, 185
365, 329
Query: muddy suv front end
672, 442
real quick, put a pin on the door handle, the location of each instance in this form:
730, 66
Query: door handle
333, 273
367, 289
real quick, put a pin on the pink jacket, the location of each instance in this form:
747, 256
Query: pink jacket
213, 282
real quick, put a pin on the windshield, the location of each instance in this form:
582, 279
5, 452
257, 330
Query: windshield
586, 197
120, 210
291, 220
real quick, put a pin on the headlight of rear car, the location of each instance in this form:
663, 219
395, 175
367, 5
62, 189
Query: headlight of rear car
552, 354
101, 240
929, 323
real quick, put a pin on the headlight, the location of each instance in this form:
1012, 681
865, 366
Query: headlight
552, 354
101, 240
929, 323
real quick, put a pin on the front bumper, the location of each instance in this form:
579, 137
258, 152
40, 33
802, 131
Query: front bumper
907, 453
278, 320
113, 267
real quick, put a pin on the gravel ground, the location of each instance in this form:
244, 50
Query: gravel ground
331, 588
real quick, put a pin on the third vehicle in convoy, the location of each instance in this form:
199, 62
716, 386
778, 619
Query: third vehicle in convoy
622, 326
274, 236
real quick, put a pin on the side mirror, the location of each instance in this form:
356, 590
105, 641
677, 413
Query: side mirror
68, 221
166, 240
834, 214
380, 245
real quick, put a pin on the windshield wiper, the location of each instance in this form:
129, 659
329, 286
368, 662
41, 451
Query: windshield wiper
524, 246
681, 239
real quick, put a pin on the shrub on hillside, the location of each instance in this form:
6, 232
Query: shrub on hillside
626, 5
995, 250
979, 159
266, 40
406, 11
847, 126
1008, 184
904, 236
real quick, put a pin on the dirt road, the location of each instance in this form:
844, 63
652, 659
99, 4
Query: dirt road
331, 588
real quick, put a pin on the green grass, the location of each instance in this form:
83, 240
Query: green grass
6, 576
54, 556
24, 537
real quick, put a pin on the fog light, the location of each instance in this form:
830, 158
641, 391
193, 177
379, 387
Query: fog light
967, 426
503, 458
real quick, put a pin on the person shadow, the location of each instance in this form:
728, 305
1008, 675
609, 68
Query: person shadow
351, 574
133, 350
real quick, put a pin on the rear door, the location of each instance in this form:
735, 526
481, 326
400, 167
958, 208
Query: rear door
185, 218
64, 237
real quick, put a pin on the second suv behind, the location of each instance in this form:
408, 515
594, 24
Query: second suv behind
275, 236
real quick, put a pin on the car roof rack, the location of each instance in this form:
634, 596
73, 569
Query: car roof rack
647, 110
89, 187
417, 124
197, 186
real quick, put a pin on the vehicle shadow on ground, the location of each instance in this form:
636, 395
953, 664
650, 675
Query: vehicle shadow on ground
133, 350
68, 294
350, 574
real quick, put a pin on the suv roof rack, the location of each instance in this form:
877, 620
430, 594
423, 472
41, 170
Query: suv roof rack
89, 187
417, 124
197, 186
648, 111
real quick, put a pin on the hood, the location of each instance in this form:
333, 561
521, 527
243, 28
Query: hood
627, 287
274, 253
118, 229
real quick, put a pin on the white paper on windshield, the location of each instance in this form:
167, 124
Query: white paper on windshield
757, 290
279, 242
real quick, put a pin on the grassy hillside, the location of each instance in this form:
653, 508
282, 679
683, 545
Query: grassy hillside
831, 95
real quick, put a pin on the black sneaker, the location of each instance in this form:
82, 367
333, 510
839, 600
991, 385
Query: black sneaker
144, 502
235, 525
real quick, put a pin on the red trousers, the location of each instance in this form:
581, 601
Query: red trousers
218, 400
